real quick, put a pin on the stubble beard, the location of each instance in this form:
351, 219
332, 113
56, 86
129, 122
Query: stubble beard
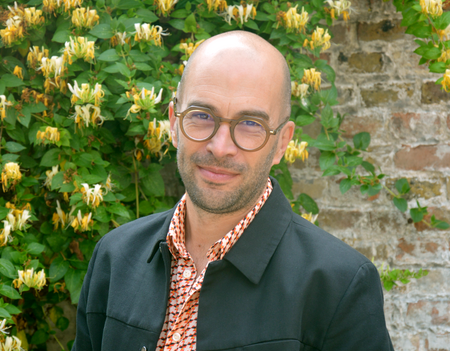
223, 201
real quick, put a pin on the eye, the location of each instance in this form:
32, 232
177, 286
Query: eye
200, 115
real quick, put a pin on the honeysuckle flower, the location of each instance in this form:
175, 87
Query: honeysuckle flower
444, 34
444, 56
339, 7
5, 233
92, 196
158, 136
3, 104
299, 90
51, 135
11, 343
431, 7
87, 115
216, 5
33, 17
59, 217
143, 100
18, 72
13, 32
295, 150
11, 175
79, 47
310, 217
3, 327
109, 185
82, 223
50, 174
120, 38
51, 6
85, 18
312, 78
86, 94
22, 219
146, 32
239, 13
292, 20
165, 6
36, 55
446, 81
189, 48
31, 279
320, 37
52, 67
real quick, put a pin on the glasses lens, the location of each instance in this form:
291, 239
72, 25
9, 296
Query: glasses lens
198, 125
250, 134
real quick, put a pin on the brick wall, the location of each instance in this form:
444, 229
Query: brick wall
383, 91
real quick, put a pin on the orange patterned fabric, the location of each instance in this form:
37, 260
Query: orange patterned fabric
180, 325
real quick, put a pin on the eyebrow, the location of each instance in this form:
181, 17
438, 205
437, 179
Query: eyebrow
250, 113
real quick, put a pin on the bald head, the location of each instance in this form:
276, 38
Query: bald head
245, 51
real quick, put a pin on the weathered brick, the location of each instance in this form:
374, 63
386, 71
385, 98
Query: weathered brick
312, 187
423, 313
433, 94
340, 33
339, 219
388, 30
448, 122
378, 95
366, 62
423, 157
414, 126
353, 125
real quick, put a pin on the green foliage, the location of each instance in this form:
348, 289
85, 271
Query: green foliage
391, 277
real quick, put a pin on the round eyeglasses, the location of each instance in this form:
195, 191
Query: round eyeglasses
248, 133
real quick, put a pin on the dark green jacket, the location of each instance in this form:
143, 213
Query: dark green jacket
285, 285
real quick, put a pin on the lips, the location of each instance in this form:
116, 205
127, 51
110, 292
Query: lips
215, 174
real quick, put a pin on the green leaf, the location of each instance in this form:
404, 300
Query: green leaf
7, 269
35, 248
308, 203
345, 185
58, 269
3, 212
401, 204
118, 209
368, 167
4, 313
326, 159
62, 323
153, 184
361, 140
92, 179
12, 309
9, 291
109, 56
190, 24
11, 81
102, 31
61, 36
39, 337
129, 4
432, 53
182, 13
147, 15
101, 215
402, 186
74, 281
438, 67
51, 158
416, 214
304, 120
251, 24
138, 56
441, 225
12, 146
331, 171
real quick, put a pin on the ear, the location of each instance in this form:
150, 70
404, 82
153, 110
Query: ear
173, 125
285, 137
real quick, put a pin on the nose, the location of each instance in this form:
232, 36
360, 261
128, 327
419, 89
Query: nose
221, 144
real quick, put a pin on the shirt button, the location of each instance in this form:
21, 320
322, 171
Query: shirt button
143, 348
187, 274
176, 337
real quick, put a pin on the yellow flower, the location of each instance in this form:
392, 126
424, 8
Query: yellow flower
59, 217
82, 223
85, 18
109, 185
18, 72
446, 81
165, 6
13, 32
80, 48
120, 38
239, 13
431, 7
51, 135
310, 217
158, 136
3, 104
144, 100
312, 78
292, 20
340, 7
5, 234
444, 34
10, 174
88, 115
33, 17
320, 37
11, 343
31, 279
50, 174
86, 94
299, 90
51, 6
216, 5
35, 56
147, 33
92, 196
295, 150
444, 56
189, 48
52, 67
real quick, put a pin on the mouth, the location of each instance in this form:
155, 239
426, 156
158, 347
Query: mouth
216, 174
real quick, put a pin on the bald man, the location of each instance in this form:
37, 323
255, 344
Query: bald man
231, 267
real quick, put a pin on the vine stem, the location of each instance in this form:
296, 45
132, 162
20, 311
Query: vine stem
54, 335
389, 190
136, 186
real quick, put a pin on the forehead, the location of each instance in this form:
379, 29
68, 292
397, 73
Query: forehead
234, 79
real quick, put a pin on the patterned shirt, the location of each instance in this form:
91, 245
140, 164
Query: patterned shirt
180, 325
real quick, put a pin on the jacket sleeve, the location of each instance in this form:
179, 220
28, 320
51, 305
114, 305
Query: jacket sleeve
83, 337
358, 322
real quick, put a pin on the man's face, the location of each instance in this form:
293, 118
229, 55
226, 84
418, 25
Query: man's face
219, 177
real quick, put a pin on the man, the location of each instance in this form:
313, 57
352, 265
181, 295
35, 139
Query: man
231, 267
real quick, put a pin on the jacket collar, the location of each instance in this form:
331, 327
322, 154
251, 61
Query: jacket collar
254, 249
